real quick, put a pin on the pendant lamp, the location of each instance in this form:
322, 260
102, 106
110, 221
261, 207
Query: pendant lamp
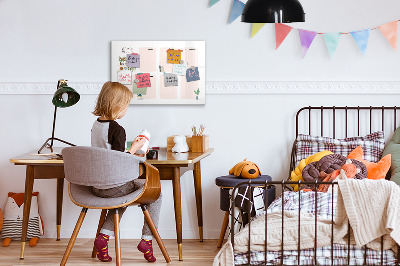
64, 96
272, 11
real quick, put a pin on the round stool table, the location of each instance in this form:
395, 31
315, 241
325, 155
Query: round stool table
228, 182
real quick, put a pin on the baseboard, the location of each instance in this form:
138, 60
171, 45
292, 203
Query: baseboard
231, 87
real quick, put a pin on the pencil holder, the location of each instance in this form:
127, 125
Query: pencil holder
200, 143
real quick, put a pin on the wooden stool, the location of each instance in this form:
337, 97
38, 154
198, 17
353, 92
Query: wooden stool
226, 183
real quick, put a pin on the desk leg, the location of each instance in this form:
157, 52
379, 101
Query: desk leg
199, 204
60, 190
27, 206
176, 182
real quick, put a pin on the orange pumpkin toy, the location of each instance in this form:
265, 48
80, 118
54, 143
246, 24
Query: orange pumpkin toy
245, 169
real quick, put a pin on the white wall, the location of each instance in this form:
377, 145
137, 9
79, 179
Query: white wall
42, 41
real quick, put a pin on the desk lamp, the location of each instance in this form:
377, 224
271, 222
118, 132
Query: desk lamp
64, 96
272, 11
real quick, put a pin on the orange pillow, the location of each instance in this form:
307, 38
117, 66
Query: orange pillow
375, 170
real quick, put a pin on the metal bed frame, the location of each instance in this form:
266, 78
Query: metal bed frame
284, 183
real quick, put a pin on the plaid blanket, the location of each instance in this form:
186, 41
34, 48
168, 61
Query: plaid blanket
323, 205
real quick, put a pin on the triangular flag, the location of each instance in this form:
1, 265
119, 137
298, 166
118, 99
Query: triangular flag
237, 9
213, 2
389, 30
361, 37
281, 31
255, 28
306, 39
332, 41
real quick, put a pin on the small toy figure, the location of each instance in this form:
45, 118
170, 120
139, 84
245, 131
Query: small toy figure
180, 144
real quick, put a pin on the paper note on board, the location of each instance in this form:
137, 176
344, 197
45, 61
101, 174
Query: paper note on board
179, 69
144, 80
170, 80
137, 90
192, 74
133, 60
125, 77
173, 56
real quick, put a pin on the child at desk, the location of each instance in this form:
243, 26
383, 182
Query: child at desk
112, 104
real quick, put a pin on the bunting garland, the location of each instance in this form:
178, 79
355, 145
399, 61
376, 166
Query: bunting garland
332, 41
361, 37
237, 9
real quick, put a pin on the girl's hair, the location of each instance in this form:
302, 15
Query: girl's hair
112, 99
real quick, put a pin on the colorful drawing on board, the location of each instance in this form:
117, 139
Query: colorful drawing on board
192, 74
174, 56
133, 60
144, 80
170, 80
125, 77
179, 69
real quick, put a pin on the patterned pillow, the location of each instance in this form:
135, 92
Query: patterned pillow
372, 144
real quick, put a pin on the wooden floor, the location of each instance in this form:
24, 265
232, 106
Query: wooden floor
50, 252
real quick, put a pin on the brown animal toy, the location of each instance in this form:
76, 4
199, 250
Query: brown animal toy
245, 169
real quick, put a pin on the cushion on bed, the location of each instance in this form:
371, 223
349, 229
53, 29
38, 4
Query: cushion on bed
372, 144
393, 148
375, 170
328, 164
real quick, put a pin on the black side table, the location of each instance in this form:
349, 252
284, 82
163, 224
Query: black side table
226, 183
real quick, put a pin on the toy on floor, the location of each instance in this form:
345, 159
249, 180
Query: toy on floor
13, 215
245, 169
180, 144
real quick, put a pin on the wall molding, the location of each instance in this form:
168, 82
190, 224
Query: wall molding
232, 87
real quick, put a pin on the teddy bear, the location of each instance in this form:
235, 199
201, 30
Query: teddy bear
13, 215
180, 144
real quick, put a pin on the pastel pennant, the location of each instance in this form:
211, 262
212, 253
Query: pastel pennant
306, 39
255, 28
332, 41
237, 9
389, 30
281, 31
361, 37
213, 2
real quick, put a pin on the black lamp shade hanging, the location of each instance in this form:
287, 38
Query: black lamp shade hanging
65, 96
273, 11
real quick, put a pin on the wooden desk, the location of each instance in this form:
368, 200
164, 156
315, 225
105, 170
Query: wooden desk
171, 167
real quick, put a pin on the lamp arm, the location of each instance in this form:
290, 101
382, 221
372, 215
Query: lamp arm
54, 126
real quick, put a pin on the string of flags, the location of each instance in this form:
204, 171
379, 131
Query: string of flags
361, 37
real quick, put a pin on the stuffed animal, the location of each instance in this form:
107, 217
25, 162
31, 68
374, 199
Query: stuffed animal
13, 215
246, 169
180, 144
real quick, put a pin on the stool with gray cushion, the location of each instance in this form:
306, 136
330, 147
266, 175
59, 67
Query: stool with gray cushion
226, 183
85, 167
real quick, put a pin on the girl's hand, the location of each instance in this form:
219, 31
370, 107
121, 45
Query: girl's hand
143, 155
137, 144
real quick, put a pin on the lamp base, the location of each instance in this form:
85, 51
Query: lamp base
50, 146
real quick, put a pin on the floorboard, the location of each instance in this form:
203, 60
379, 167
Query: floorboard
50, 252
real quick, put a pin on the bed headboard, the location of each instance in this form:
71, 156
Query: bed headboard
344, 121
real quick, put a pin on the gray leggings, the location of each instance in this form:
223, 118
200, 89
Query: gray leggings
154, 208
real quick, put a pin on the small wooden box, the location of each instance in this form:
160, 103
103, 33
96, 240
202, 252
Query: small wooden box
200, 143
171, 143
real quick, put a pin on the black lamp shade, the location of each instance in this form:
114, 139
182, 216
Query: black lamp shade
65, 96
273, 11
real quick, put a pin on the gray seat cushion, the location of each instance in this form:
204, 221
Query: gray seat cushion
83, 196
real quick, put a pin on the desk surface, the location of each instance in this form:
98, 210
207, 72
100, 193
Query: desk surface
164, 157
